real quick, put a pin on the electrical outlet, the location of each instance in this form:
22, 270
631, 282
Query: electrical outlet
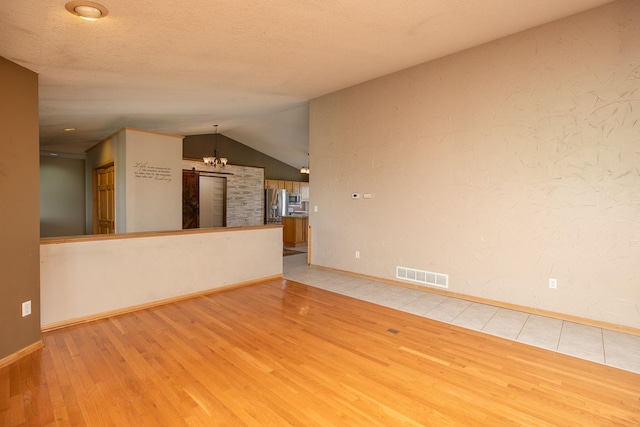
26, 308
357, 254
553, 283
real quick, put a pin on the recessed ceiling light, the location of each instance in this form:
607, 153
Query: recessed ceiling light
69, 129
87, 10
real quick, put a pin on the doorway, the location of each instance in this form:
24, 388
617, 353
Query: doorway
212, 201
204, 200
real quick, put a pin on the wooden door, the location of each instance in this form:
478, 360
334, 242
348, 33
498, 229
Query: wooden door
104, 212
190, 199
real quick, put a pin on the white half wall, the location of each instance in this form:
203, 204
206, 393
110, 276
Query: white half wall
84, 277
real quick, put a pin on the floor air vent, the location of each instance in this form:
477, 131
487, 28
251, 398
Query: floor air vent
422, 277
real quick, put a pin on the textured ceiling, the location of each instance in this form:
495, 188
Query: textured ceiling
249, 66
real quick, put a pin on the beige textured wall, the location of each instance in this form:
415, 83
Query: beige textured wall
19, 210
502, 166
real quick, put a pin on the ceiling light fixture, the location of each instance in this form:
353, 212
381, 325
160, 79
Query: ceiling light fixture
87, 10
215, 160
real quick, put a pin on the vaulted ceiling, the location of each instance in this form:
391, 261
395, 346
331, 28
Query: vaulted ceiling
249, 66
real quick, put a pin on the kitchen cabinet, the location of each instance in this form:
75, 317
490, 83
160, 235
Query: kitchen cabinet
271, 183
304, 192
294, 230
293, 187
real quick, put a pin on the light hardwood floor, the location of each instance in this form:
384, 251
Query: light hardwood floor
282, 353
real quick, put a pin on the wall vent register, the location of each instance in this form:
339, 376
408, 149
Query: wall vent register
422, 277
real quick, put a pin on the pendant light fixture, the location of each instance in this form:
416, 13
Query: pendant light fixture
215, 160
305, 169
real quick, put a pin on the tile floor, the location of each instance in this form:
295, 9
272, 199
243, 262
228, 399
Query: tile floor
612, 348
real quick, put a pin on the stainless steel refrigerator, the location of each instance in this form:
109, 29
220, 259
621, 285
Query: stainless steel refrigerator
275, 206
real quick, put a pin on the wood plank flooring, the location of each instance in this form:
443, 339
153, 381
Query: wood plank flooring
281, 353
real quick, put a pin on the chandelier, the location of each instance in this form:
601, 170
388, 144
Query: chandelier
305, 169
215, 160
